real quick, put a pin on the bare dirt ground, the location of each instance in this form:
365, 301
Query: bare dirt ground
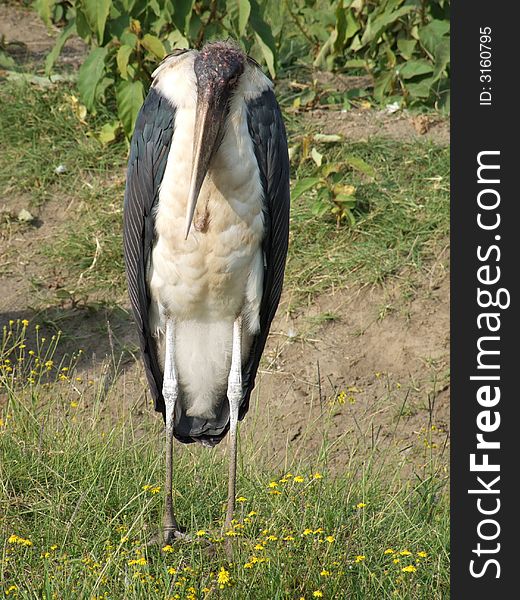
387, 353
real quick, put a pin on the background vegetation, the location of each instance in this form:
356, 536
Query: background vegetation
81, 452
403, 44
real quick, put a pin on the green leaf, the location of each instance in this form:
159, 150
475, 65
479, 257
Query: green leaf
90, 74
383, 84
123, 55
316, 157
341, 27
96, 13
109, 132
45, 8
264, 37
406, 48
376, 26
422, 89
304, 185
360, 165
67, 32
6, 61
182, 14
244, 10
414, 67
328, 138
130, 96
154, 45
431, 35
442, 58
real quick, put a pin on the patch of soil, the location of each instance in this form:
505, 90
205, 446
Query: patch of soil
356, 124
28, 41
360, 370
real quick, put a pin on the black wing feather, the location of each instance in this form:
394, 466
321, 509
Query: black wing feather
148, 156
267, 131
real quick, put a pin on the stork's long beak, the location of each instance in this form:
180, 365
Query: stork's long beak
209, 121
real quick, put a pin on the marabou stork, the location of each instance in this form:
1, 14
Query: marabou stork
206, 226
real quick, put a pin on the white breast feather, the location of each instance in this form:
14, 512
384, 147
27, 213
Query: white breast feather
206, 281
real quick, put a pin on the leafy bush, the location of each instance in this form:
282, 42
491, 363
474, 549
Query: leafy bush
404, 44
127, 38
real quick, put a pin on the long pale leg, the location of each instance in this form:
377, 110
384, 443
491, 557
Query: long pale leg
170, 394
234, 393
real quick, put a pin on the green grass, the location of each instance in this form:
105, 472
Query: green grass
80, 498
75, 460
402, 215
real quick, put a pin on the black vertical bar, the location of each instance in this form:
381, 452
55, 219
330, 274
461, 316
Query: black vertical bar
485, 123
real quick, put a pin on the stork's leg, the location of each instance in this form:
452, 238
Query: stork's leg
234, 393
170, 394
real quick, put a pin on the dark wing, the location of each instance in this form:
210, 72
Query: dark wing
270, 144
148, 156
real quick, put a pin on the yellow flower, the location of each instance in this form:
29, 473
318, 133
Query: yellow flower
16, 539
275, 492
317, 594
252, 513
167, 548
325, 573
172, 570
405, 553
330, 539
259, 547
200, 533
422, 554
273, 484
389, 551
298, 479
137, 561
25, 322
10, 589
248, 565
359, 558
360, 505
317, 476
409, 569
288, 538
396, 560
307, 531
223, 577
241, 499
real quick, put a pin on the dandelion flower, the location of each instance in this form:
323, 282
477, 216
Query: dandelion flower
317, 476
330, 539
298, 479
422, 554
360, 505
359, 558
200, 533
273, 484
25, 322
389, 551
167, 548
325, 573
405, 553
241, 499
409, 569
223, 577
317, 594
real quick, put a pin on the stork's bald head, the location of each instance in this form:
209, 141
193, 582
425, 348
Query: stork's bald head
218, 67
